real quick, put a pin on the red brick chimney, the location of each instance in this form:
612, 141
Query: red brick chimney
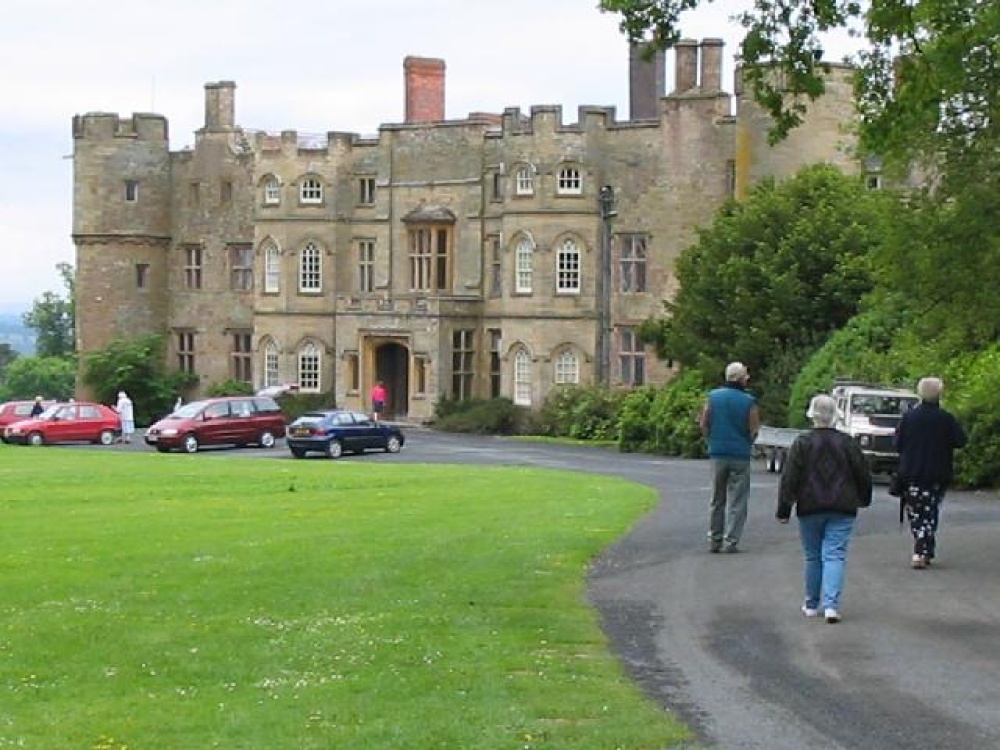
424, 89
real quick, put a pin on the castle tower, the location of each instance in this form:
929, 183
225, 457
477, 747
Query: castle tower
823, 136
121, 226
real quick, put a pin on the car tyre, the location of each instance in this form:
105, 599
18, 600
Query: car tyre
393, 445
190, 443
36, 438
334, 449
267, 439
107, 437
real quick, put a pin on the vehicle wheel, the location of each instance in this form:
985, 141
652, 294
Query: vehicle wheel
266, 439
334, 449
163, 449
298, 453
779, 461
107, 437
190, 443
36, 438
393, 445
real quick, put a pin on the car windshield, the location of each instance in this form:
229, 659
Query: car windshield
310, 419
874, 404
189, 410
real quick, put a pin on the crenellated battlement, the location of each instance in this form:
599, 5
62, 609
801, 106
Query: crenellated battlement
143, 126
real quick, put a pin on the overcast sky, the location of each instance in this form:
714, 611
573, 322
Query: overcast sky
308, 66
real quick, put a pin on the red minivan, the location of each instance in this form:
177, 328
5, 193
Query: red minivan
232, 420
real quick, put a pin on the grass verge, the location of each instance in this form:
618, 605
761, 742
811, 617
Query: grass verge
167, 601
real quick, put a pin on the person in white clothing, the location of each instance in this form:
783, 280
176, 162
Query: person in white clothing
124, 409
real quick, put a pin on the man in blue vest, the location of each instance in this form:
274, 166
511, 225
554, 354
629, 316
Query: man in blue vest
730, 420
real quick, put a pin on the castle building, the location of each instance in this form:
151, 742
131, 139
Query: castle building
495, 255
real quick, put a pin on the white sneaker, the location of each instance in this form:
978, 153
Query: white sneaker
810, 611
831, 615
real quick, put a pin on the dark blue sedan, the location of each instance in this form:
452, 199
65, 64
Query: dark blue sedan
336, 432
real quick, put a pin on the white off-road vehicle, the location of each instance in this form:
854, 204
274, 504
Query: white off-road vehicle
870, 414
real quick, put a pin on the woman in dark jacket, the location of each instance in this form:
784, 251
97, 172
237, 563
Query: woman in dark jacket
826, 478
926, 440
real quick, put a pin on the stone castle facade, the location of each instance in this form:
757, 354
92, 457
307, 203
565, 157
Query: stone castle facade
495, 255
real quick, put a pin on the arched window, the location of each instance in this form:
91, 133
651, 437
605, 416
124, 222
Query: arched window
522, 378
311, 268
569, 182
272, 191
272, 268
524, 181
567, 368
311, 191
524, 266
309, 362
272, 373
568, 268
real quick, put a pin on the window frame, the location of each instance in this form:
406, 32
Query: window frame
186, 343
429, 251
311, 191
568, 268
131, 191
566, 369
463, 363
271, 191
310, 379
272, 365
311, 254
524, 266
522, 377
241, 356
272, 268
631, 357
366, 191
365, 254
524, 181
239, 256
633, 255
569, 181
194, 264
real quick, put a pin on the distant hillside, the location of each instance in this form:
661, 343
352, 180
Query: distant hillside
14, 332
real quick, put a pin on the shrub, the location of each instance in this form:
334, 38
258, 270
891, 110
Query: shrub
294, 405
497, 416
229, 388
581, 412
665, 420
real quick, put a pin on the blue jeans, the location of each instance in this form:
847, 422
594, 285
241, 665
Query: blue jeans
825, 539
730, 492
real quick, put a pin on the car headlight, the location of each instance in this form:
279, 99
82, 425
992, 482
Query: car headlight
169, 432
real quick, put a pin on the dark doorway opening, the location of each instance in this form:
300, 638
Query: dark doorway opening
392, 368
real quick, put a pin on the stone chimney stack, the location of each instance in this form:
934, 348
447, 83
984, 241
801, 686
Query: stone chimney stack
711, 64
220, 106
424, 89
686, 73
647, 82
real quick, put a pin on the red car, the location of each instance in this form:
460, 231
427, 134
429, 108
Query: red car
75, 422
227, 420
15, 411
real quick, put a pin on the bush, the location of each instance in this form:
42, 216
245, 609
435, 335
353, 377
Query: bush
497, 416
665, 420
581, 412
294, 405
229, 388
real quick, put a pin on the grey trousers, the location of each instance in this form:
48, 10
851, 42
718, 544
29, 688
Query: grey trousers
730, 493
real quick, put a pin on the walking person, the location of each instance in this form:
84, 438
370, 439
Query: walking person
826, 479
378, 400
127, 416
730, 420
926, 439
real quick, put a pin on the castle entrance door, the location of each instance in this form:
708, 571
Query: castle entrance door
392, 367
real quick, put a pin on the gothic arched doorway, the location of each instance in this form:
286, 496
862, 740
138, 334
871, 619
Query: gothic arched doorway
392, 367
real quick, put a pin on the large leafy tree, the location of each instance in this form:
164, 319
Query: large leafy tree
7, 355
772, 277
137, 367
50, 377
53, 318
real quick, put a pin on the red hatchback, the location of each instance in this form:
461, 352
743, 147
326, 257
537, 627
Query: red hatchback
16, 411
75, 422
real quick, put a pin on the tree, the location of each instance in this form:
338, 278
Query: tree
27, 377
137, 367
7, 355
772, 277
53, 318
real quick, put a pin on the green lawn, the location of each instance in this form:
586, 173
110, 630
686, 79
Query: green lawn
177, 602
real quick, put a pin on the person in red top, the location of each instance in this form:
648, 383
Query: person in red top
378, 400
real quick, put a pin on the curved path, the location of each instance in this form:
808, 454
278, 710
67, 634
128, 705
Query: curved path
719, 639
